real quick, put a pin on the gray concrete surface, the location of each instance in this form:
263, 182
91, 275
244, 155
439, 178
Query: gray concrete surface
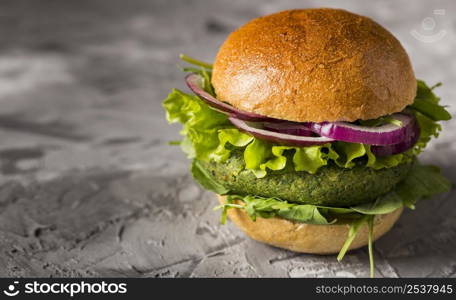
88, 184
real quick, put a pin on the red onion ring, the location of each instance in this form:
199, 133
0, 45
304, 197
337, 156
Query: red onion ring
387, 139
194, 83
288, 128
387, 134
403, 146
277, 137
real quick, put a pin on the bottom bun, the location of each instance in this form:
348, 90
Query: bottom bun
307, 238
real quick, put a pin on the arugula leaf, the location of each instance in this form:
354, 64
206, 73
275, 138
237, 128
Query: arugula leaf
201, 124
203, 177
370, 242
382, 205
207, 86
304, 212
271, 207
195, 62
228, 204
380, 121
431, 110
427, 103
354, 228
422, 182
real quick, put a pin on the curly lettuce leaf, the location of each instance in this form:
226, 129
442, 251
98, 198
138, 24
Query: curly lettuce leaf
229, 136
201, 124
382, 205
428, 129
272, 207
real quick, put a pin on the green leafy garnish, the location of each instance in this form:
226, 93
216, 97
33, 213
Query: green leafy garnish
370, 244
203, 177
195, 62
422, 182
382, 205
201, 124
272, 207
380, 121
391, 120
355, 226
228, 204
427, 103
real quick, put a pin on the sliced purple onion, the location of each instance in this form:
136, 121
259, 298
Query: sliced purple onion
387, 139
277, 137
288, 128
387, 134
403, 146
194, 83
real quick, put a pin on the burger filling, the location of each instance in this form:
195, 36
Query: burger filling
330, 186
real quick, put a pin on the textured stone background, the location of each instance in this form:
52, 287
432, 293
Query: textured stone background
88, 184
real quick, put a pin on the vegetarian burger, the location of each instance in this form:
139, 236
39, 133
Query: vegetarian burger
307, 126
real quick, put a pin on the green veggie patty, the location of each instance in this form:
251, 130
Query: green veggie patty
330, 186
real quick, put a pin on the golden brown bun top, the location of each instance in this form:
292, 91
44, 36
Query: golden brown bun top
314, 65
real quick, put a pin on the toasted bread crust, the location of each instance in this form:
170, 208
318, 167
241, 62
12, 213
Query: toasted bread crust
314, 65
